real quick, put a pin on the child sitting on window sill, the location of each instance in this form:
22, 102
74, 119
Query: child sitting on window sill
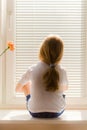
45, 82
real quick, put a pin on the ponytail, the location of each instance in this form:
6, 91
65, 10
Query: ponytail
51, 79
51, 53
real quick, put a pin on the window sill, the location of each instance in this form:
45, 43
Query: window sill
16, 119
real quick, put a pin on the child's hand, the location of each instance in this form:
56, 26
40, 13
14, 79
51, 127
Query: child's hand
19, 88
25, 89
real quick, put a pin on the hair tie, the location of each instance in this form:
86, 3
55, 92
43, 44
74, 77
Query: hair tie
52, 65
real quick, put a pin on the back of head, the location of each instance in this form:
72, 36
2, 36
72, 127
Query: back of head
51, 53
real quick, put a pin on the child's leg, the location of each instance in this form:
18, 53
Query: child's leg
26, 89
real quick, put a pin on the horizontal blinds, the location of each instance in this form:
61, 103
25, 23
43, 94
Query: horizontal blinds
36, 19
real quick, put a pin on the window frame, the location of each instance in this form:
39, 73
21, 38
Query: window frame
2, 47
11, 99
0, 78
0, 59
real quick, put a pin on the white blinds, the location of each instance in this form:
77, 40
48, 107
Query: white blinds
35, 19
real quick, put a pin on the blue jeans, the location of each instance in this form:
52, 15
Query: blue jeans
45, 114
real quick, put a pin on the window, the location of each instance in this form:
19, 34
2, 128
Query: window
28, 22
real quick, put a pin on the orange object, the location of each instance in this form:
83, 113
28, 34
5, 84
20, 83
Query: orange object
11, 46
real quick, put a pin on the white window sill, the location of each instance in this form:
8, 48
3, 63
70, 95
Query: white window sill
19, 115
20, 119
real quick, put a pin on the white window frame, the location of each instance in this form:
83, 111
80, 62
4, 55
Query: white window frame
3, 57
0, 59
2, 47
12, 100
0, 77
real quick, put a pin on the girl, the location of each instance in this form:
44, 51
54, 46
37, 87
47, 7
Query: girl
44, 83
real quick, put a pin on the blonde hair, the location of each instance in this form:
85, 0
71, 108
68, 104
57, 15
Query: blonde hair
51, 52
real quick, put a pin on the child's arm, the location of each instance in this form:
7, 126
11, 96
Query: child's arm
23, 83
25, 89
63, 88
64, 84
19, 88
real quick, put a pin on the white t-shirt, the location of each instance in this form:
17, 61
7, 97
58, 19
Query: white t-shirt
42, 100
